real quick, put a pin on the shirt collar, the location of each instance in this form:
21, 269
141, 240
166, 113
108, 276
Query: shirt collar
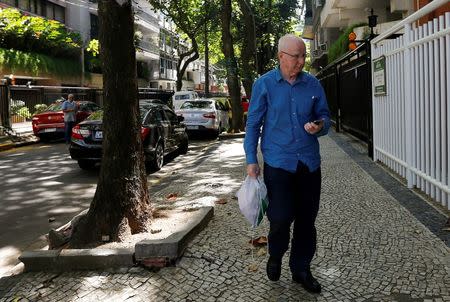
300, 77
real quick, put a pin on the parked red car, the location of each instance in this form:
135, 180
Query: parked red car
245, 102
50, 123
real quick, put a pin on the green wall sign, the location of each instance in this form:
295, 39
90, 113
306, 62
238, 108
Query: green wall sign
379, 75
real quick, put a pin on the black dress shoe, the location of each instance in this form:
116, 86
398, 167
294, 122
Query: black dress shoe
308, 282
273, 268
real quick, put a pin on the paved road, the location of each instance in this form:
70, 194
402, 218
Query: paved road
370, 247
41, 188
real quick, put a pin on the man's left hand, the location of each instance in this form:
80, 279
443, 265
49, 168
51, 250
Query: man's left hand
312, 128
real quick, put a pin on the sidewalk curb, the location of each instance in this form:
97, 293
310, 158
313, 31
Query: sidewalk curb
226, 136
8, 145
150, 252
171, 248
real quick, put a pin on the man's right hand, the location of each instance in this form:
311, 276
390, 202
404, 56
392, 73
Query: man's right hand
253, 170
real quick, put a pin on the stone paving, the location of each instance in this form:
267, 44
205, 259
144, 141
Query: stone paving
370, 248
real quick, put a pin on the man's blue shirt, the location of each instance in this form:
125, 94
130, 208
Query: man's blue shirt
282, 109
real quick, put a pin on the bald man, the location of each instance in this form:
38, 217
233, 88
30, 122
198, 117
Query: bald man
69, 107
291, 107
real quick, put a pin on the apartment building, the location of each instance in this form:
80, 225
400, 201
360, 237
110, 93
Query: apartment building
157, 49
325, 20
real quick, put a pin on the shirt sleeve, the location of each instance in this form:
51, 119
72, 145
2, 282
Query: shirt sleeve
321, 110
255, 116
64, 106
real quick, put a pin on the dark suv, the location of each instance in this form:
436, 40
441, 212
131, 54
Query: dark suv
162, 133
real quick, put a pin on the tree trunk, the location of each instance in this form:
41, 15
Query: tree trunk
206, 61
183, 63
248, 52
231, 66
121, 203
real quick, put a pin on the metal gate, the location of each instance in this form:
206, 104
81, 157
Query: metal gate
347, 84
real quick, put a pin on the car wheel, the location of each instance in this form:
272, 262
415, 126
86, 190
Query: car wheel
158, 160
86, 164
217, 131
184, 146
44, 139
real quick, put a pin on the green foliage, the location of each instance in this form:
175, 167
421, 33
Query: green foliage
15, 106
36, 34
93, 48
37, 64
340, 47
92, 57
24, 112
273, 19
39, 108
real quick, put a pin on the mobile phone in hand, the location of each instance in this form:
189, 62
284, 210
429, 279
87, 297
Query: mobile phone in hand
318, 122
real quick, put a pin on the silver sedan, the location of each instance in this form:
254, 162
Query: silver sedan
204, 115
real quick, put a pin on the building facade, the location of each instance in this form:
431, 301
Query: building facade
157, 47
325, 20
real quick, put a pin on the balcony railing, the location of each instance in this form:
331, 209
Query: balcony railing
147, 17
148, 46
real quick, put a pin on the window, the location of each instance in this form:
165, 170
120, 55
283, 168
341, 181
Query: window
55, 12
94, 26
197, 104
9, 2
162, 66
171, 116
24, 5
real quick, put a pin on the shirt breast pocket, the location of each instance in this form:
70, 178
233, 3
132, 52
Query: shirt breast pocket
306, 105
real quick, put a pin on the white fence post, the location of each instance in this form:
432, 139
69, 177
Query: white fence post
409, 105
411, 123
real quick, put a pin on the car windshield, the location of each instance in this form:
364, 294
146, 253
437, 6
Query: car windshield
151, 101
95, 116
98, 115
55, 107
196, 105
182, 97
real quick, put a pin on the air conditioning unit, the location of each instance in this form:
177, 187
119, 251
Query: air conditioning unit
323, 47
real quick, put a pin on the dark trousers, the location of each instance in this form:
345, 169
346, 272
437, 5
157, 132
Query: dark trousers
293, 197
68, 131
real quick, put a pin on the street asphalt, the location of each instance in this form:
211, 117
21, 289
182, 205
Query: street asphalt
372, 246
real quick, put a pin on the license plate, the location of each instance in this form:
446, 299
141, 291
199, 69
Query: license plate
49, 129
192, 127
99, 135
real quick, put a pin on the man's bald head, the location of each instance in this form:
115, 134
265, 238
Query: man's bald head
288, 40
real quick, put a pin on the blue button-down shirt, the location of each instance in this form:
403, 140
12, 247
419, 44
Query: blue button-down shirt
282, 109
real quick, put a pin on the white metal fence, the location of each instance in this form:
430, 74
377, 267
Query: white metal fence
411, 120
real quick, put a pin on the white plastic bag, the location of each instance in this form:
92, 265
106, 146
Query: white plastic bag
252, 198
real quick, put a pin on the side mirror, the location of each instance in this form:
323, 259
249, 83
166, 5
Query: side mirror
180, 118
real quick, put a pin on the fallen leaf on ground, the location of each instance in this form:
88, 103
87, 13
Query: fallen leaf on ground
159, 214
259, 241
155, 231
253, 268
261, 252
172, 196
221, 201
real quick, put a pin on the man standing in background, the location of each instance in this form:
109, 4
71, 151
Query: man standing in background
69, 107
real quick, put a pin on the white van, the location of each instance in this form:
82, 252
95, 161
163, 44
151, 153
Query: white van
181, 96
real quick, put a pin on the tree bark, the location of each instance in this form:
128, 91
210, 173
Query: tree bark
231, 66
206, 61
121, 203
182, 65
248, 52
